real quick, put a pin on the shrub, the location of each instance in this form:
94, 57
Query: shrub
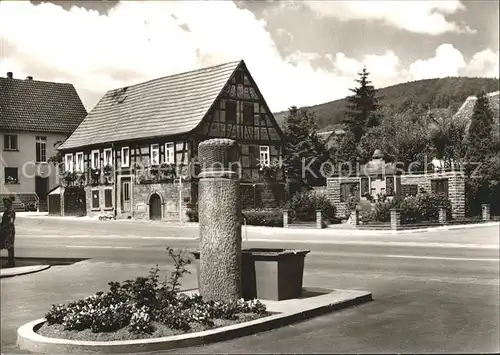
429, 205
264, 217
423, 207
383, 209
303, 206
192, 212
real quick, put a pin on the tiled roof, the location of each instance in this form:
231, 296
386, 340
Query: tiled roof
32, 105
464, 113
166, 106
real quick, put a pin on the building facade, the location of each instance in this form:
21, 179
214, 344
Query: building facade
377, 178
135, 154
34, 117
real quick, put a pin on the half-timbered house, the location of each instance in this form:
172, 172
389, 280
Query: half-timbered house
135, 153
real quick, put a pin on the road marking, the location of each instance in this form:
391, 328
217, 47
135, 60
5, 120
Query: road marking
381, 243
439, 258
97, 247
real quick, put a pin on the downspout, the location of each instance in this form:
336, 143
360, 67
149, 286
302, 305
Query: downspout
115, 178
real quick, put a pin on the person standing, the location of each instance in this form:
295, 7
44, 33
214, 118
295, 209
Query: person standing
8, 230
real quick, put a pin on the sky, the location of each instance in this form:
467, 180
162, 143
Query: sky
299, 52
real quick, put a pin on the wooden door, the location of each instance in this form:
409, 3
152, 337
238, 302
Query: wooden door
125, 196
42, 187
154, 207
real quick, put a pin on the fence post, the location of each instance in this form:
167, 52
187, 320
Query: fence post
486, 211
442, 214
354, 217
395, 219
285, 218
319, 221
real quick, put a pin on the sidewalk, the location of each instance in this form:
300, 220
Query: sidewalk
29, 297
22, 270
332, 230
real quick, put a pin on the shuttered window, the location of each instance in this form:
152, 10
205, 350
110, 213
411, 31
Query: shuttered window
95, 199
254, 153
231, 112
108, 198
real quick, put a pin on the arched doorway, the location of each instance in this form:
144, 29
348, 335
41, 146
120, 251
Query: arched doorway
155, 207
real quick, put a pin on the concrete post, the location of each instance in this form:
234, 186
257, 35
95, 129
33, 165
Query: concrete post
319, 219
442, 214
219, 221
486, 211
395, 219
285, 218
354, 217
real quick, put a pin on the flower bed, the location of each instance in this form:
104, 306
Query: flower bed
145, 308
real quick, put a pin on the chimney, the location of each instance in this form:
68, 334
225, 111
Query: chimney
29, 78
9, 75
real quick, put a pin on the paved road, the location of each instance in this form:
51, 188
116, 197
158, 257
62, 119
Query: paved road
434, 291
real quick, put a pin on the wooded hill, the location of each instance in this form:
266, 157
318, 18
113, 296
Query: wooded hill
443, 93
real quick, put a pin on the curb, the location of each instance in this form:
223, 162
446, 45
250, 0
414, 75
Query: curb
23, 270
28, 339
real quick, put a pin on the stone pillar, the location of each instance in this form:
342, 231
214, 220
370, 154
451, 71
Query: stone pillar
319, 219
285, 218
486, 211
442, 214
395, 219
354, 217
219, 221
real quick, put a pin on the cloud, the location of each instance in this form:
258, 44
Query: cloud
139, 41
428, 17
385, 69
448, 61
484, 63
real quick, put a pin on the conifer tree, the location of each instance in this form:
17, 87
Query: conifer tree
362, 107
480, 130
302, 146
483, 159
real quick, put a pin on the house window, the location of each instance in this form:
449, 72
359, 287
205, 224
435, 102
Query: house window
95, 199
68, 162
155, 154
365, 186
265, 158
10, 142
231, 112
95, 159
248, 114
440, 186
125, 157
389, 184
79, 162
239, 77
169, 153
41, 149
409, 190
108, 157
108, 198
11, 176
349, 189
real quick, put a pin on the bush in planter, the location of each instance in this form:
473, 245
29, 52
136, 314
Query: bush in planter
263, 217
136, 304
